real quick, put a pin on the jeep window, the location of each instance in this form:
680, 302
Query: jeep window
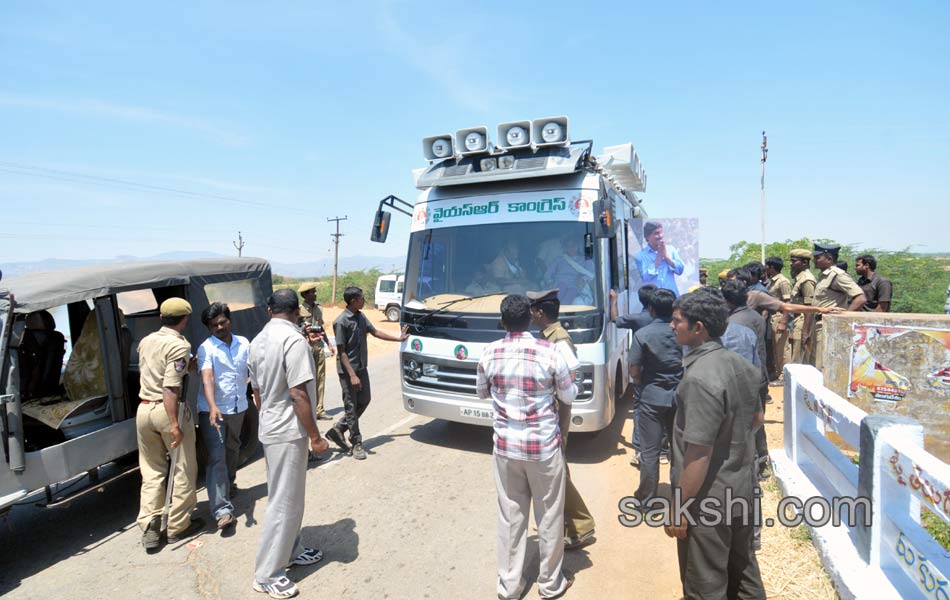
136, 301
238, 295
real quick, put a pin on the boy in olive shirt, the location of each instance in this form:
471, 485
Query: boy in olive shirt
718, 411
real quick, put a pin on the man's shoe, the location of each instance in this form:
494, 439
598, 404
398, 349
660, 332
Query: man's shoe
196, 525
635, 459
282, 588
334, 435
664, 459
776, 383
324, 417
226, 521
152, 538
575, 542
570, 582
358, 452
309, 556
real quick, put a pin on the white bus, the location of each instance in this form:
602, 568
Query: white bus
534, 212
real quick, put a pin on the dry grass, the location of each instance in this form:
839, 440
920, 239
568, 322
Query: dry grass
788, 560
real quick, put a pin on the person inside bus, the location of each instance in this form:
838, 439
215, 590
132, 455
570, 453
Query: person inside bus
506, 269
572, 273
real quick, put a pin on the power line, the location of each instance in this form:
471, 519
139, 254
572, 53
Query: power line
77, 177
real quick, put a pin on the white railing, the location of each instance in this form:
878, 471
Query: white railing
886, 553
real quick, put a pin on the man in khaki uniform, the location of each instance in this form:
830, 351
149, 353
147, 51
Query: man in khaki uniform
578, 522
311, 317
801, 338
163, 422
780, 288
834, 288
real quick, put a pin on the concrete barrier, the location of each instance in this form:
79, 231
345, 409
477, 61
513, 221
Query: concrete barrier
878, 549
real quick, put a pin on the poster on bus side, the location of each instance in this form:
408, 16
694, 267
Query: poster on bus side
664, 252
889, 361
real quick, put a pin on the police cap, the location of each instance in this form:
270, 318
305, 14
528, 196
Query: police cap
538, 297
821, 249
175, 307
800, 253
307, 286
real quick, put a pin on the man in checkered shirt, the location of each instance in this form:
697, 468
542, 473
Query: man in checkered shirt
522, 375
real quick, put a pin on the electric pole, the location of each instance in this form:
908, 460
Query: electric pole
336, 253
239, 244
765, 154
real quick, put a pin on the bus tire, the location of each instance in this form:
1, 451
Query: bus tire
392, 313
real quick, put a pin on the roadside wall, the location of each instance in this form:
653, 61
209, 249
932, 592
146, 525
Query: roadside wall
893, 364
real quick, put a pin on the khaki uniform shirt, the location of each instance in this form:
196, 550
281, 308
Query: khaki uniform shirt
836, 288
556, 333
312, 315
803, 292
780, 287
163, 362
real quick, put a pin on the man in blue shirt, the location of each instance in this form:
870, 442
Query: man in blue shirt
658, 263
222, 403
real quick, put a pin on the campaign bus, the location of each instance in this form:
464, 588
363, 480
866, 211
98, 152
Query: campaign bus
535, 211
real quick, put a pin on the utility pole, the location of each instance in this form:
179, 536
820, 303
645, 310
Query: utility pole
336, 253
239, 244
765, 154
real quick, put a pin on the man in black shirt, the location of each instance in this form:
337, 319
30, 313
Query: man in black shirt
878, 290
349, 330
717, 412
634, 322
656, 366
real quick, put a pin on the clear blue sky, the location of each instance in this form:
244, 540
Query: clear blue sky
320, 110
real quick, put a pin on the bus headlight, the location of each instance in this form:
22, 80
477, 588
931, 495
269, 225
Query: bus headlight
506, 162
430, 370
414, 370
488, 164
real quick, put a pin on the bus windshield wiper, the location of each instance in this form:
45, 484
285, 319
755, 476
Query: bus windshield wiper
446, 305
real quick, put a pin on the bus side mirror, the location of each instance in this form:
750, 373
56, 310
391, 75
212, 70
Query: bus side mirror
380, 226
604, 223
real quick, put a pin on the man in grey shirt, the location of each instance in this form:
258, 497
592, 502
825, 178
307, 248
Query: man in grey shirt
282, 379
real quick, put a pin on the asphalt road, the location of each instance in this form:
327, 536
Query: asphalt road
414, 521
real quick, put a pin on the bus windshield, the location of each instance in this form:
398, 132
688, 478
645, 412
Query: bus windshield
491, 261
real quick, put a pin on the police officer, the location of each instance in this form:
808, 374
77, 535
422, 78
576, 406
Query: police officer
834, 288
311, 318
163, 422
802, 327
545, 310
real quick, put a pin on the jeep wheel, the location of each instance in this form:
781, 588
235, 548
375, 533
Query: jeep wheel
392, 313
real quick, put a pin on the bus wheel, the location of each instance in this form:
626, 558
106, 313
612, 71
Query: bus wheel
392, 313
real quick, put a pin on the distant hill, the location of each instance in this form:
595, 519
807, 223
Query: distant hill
294, 270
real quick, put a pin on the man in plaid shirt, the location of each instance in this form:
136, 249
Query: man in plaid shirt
522, 376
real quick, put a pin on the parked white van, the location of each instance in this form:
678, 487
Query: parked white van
388, 296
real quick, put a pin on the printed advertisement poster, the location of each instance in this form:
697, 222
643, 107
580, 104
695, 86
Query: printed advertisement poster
664, 252
888, 361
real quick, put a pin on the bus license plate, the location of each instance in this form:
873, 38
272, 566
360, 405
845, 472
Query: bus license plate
477, 413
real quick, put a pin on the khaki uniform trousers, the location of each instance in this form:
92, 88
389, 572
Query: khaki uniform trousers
577, 518
819, 348
154, 436
799, 354
320, 360
779, 343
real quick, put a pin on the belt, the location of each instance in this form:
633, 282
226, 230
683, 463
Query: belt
144, 401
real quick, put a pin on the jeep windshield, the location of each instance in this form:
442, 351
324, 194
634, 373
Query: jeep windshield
487, 262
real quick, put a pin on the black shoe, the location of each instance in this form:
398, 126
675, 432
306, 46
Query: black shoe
334, 435
197, 524
358, 452
152, 538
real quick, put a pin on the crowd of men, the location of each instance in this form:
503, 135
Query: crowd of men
284, 366
700, 362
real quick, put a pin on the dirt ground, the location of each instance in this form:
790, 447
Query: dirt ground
789, 562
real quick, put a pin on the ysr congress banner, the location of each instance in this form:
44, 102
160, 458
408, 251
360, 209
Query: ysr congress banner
563, 205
